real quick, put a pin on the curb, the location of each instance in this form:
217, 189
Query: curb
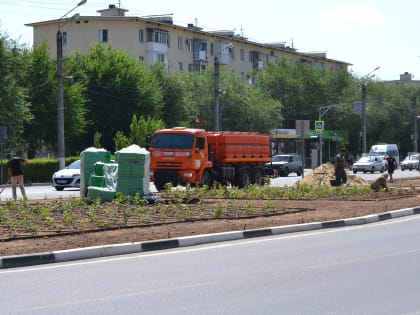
137, 247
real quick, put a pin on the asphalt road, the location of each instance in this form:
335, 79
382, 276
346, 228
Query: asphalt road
370, 269
41, 191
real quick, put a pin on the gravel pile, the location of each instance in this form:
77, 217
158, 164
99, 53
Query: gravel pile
323, 174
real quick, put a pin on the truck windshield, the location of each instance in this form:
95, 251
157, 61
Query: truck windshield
172, 141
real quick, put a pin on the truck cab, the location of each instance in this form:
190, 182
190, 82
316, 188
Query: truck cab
179, 156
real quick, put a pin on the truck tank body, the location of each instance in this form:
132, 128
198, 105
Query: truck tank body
238, 147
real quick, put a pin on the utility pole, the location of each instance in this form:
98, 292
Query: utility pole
364, 118
60, 102
415, 136
366, 78
60, 90
216, 96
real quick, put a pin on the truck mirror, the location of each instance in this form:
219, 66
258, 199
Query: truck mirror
148, 141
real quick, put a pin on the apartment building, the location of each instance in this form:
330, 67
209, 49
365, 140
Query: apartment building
406, 79
181, 48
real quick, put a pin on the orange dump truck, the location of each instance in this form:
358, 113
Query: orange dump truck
182, 156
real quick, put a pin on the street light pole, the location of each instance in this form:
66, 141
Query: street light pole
60, 93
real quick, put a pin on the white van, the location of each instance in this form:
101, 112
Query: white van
385, 149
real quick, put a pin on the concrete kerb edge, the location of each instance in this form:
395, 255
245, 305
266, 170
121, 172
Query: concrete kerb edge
97, 251
210, 238
137, 247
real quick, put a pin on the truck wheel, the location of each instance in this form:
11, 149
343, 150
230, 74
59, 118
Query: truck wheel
206, 179
159, 186
258, 177
299, 171
244, 178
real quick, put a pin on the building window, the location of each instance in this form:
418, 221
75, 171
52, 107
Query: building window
141, 36
141, 58
180, 66
180, 43
64, 38
190, 67
103, 36
232, 52
161, 57
242, 52
157, 36
212, 49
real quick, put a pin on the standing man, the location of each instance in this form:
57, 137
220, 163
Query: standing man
15, 172
392, 165
339, 165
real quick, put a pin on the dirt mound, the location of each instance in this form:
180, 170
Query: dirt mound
325, 172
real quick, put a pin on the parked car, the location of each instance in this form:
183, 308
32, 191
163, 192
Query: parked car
411, 162
283, 164
67, 177
369, 164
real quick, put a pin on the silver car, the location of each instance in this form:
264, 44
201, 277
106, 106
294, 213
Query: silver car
411, 162
67, 177
369, 164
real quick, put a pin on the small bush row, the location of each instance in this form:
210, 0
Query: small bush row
38, 170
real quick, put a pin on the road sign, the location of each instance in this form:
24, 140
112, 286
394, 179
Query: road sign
319, 125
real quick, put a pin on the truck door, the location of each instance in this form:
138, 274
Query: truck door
200, 147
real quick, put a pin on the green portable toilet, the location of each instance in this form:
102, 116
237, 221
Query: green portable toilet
133, 171
88, 158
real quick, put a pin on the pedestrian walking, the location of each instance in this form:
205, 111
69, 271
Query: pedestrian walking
15, 173
392, 165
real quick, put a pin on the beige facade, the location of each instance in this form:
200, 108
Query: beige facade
158, 39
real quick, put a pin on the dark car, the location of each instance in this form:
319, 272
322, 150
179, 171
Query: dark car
283, 164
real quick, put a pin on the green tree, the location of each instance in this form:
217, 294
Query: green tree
303, 88
118, 87
243, 107
41, 80
139, 130
175, 111
14, 109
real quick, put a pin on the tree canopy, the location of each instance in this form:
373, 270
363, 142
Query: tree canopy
113, 99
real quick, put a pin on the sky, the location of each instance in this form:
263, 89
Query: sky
367, 34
